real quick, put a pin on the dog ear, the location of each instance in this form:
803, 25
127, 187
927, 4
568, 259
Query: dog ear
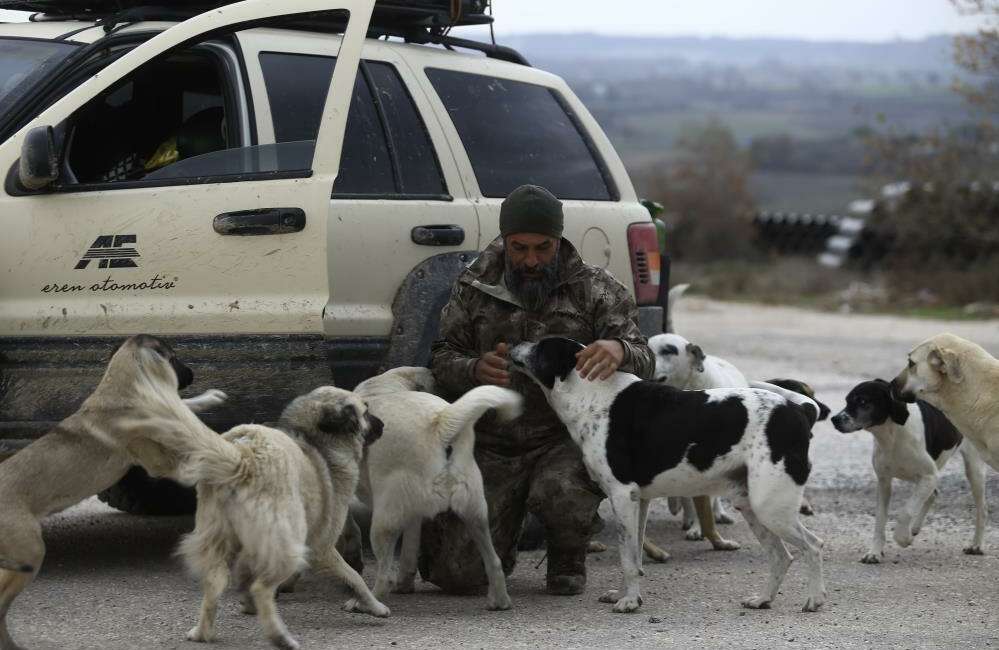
557, 357
946, 362
185, 376
897, 409
338, 420
698, 356
375, 428
824, 410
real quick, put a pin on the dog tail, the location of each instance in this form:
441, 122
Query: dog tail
675, 293
19, 567
807, 404
472, 405
202, 454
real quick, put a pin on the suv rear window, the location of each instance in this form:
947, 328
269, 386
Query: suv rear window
516, 133
386, 151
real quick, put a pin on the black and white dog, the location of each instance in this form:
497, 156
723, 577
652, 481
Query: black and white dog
912, 442
641, 440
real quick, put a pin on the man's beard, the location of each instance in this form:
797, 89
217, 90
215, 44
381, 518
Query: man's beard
532, 292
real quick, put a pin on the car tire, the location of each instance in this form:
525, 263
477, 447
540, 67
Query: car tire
137, 493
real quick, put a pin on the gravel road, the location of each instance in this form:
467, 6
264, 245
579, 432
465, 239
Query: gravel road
110, 580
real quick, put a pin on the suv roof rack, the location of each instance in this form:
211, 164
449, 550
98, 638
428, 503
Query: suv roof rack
416, 21
393, 14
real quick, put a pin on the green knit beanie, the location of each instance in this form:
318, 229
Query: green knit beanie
531, 208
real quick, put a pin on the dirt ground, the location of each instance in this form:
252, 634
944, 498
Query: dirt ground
110, 581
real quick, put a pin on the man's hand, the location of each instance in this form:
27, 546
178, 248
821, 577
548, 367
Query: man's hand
600, 359
491, 367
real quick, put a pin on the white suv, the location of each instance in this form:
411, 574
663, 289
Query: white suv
286, 197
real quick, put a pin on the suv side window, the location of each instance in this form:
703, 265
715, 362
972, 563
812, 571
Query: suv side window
516, 132
386, 151
167, 111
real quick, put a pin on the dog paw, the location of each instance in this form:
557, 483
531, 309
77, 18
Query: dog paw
694, 534
657, 554
902, 536
211, 398
756, 602
199, 635
627, 604
813, 603
722, 544
871, 558
355, 606
596, 547
501, 602
973, 550
610, 596
284, 642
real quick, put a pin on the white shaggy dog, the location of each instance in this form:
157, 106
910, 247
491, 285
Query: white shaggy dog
912, 442
641, 440
424, 465
961, 379
270, 500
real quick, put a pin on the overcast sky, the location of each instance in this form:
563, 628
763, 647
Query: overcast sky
864, 20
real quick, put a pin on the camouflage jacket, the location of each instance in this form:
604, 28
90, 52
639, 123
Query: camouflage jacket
588, 304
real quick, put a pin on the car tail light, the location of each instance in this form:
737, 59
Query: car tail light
643, 244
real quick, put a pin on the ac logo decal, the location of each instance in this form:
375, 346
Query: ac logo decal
111, 251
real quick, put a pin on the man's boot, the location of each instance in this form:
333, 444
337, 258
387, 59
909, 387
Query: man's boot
566, 571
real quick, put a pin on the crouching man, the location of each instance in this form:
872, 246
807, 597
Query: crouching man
529, 283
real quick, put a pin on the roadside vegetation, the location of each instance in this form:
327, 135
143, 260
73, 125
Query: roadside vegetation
943, 229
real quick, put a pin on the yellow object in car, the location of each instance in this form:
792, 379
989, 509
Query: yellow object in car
165, 154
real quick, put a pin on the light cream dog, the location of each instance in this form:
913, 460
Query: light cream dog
423, 466
270, 500
74, 461
961, 379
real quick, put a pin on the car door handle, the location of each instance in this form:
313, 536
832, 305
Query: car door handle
450, 235
266, 221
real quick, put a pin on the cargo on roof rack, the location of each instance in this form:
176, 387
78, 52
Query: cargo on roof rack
390, 16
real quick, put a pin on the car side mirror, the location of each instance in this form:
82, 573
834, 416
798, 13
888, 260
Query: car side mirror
39, 164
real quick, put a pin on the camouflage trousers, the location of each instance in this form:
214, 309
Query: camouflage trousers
550, 481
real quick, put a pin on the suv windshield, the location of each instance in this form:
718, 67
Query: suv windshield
24, 61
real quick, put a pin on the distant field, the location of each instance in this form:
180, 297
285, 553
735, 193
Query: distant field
643, 133
783, 191
809, 193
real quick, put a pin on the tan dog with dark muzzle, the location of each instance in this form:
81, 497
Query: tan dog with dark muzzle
46, 477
